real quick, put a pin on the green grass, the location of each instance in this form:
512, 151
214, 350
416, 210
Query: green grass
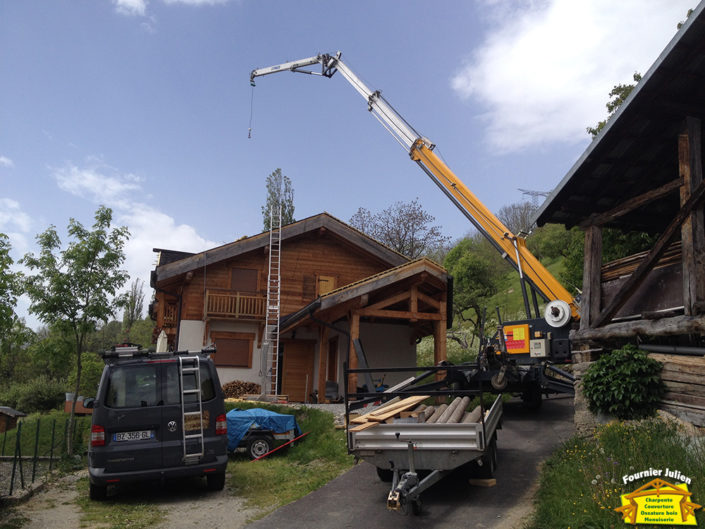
58, 421
11, 518
117, 512
286, 476
581, 483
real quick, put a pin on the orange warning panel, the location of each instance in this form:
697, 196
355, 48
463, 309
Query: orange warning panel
517, 337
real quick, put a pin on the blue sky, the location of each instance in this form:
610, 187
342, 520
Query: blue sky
144, 106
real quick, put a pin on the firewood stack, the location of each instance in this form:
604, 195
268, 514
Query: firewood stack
237, 388
411, 410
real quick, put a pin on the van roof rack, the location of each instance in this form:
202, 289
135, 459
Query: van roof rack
129, 350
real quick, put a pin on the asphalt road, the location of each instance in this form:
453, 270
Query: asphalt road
357, 499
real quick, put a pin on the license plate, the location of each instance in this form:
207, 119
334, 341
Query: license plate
139, 435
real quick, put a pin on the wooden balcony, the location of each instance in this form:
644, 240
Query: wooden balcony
235, 305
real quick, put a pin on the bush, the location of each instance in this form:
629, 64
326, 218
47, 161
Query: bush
39, 394
624, 383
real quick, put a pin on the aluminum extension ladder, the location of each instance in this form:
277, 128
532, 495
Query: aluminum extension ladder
192, 442
273, 300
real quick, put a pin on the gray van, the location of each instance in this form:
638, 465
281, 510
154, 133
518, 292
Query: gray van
146, 420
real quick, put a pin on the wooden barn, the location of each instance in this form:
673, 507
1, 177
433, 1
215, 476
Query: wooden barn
338, 287
644, 173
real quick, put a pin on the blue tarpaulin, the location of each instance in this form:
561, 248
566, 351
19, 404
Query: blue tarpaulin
239, 421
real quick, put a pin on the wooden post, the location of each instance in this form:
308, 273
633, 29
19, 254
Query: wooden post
439, 334
692, 230
354, 319
322, 362
592, 288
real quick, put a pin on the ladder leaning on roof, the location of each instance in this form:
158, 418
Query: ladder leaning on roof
273, 308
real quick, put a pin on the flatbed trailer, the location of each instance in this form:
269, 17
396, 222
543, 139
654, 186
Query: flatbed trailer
415, 455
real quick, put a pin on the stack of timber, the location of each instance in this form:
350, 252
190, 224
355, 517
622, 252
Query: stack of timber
410, 409
684, 377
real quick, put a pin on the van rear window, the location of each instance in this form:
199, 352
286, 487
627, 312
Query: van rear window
172, 385
133, 387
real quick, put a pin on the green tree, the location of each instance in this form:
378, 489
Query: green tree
404, 226
477, 272
134, 305
76, 288
279, 193
619, 94
9, 287
15, 360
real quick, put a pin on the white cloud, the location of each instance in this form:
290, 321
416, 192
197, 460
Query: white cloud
544, 70
6, 162
131, 7
12, 218
196, 2
99, 183
149, 229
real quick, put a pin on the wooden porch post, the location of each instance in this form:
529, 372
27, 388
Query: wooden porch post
692, 231
439, 334
322, 362
592, 289
354, 319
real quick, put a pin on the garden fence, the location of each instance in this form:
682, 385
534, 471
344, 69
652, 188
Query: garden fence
35, 447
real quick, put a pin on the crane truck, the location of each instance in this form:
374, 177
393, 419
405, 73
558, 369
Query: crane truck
523, 354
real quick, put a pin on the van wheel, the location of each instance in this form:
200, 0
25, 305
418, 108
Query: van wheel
215, 481
97, 492
258, 445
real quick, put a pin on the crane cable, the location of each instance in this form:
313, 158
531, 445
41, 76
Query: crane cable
252, 100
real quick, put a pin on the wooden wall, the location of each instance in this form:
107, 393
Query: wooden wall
685, 386
302, 260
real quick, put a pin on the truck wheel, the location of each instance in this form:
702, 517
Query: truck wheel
97, 492
385, 474
258, 445
215, 481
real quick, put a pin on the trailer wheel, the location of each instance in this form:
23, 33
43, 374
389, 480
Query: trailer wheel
258, 445
385, 474
489, 461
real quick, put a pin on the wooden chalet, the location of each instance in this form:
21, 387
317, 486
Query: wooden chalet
337, 286
644, 173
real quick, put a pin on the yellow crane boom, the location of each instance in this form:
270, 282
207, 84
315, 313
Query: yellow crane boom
562, 307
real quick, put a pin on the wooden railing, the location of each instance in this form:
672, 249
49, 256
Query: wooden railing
235, 305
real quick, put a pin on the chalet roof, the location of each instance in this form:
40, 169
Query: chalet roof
435, 276
637, 150
176, 267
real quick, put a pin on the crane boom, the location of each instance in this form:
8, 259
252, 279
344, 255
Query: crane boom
421, 150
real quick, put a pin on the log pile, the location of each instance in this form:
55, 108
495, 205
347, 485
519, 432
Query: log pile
411, 410
684, 377
237, 388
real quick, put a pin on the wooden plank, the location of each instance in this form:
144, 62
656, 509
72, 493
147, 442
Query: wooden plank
393, 410
663, 327
685, 388
633, 203
684, 399
364, 426
399, 314
477, 482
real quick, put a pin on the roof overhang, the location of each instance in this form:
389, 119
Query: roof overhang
637, 150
